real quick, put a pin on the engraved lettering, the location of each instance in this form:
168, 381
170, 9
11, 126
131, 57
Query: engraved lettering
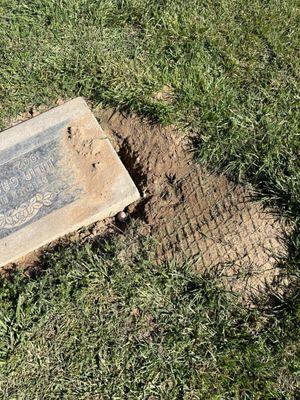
27, 175
48, 166
17, 166
4, 200
14, 194
34, 158
44, 179
38, 170
5, 186
14, 182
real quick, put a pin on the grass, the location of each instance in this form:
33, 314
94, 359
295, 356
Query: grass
101, 325
231, 68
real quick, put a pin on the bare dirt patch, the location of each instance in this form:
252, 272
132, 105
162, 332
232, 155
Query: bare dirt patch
195, 214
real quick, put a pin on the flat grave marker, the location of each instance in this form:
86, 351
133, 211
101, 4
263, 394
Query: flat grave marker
58, 172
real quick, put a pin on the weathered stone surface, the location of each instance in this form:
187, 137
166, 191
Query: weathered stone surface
58, 172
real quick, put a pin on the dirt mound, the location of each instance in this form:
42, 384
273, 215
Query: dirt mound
195, 214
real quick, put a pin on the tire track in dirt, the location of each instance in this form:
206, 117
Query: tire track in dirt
193, 213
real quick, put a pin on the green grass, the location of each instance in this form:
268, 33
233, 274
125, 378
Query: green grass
233, 68
232, 65
101, 325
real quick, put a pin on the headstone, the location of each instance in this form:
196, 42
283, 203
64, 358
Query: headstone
58, 172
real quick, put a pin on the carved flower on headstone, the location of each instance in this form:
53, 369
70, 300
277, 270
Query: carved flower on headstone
26, 211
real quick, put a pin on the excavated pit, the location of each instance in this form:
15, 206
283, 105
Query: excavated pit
194, 214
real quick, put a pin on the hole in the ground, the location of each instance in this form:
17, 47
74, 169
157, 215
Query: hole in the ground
129, 157
191, 212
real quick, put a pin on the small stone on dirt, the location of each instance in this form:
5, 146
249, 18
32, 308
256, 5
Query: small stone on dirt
122, 216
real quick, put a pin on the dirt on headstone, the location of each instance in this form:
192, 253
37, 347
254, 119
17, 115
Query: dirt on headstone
58, 173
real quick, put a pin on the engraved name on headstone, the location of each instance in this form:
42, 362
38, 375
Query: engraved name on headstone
58, 172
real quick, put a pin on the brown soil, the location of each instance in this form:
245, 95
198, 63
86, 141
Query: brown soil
195, 214
84, 147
